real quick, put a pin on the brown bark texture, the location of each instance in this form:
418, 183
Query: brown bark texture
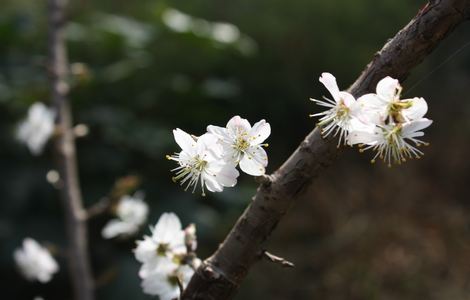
77, 248
220, 276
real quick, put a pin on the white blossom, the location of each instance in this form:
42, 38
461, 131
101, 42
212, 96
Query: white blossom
386, 107
35, 262
342, 114
201, 161
37, 128
165, 279
243, 144
167, 241
393, 142
131, 212
397, 123
167, 257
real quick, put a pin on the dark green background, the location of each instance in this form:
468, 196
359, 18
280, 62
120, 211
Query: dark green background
362, 232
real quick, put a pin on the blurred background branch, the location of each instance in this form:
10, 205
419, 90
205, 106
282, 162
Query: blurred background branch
76, 227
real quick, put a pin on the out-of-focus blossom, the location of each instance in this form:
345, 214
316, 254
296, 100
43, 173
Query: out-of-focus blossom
131, 212
35, 262
37, 128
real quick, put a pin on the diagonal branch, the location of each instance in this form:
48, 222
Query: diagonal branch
79, 265
220, 275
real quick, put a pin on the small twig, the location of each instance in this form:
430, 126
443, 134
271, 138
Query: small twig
264, 179
278, 260
121, 187
98, 208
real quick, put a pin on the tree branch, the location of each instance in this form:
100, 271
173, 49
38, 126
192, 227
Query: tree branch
79, 266
221, 274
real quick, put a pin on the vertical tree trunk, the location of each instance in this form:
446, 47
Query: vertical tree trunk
78, 259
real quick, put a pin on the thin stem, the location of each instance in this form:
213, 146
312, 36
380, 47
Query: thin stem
79, 265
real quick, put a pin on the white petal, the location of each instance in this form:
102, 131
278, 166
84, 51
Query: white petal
417, 110
145, 250
117, 227
236, 125
260, 132
371, 109
227, 176
254, 162
212, 184
168, 223
158, 284
414, 126
168, 231
220, 132
347, 98
387, 88
363, 137
329, 81
185, 141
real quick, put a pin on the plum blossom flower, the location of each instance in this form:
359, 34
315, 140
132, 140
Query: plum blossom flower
166, 278
243, 144
167, 241
385, 106
37, 128
168, 257
393, 142
131, 212
201, 161
35, 262
342, 114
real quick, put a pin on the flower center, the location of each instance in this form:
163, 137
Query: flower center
199, 164
396, 108
162, 249
173, 279
342, 110
241, 144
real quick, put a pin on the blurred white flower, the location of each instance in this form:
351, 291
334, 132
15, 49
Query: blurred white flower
176, 20
37, 128
201, 160
393, 142
386, 107
166, 278
167, 241
131, 212
243, 144
225, 33
342, 114
181, 22
35, 262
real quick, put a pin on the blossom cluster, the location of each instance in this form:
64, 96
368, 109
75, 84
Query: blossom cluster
35, 262
212, 158
168, 257
131, 212
380, 121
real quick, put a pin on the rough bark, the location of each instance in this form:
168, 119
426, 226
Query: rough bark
77, 250
221, 275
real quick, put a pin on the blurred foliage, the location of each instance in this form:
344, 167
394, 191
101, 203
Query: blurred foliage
141, 69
